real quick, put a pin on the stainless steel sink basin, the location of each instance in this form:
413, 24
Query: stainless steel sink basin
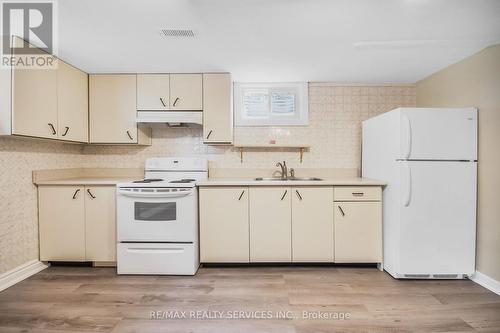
291, 179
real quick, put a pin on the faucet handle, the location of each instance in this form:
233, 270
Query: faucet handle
292, 172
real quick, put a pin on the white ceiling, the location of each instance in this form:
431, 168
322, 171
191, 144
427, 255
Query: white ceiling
278, 40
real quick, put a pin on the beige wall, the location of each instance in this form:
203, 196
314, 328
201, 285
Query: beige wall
335, 113
475, 81
18, 196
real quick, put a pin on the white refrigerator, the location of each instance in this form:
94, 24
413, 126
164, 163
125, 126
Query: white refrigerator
428, 157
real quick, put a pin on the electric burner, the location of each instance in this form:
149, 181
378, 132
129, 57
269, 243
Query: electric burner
182, 181
148, 180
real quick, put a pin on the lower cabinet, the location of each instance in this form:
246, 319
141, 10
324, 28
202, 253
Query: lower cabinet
291, 224
358, 225
224, 224
312, 224
77, 223
270, 224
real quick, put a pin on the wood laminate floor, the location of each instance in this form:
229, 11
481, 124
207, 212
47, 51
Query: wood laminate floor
81, 299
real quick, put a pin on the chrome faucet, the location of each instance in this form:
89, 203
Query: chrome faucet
284, 170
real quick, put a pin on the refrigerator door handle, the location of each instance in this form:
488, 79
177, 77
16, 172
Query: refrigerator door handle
408, 136
408, 185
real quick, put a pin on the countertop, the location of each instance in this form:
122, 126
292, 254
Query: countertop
324, 182
85, 181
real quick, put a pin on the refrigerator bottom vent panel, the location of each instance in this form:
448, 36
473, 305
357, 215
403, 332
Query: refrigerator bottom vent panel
434, 276
417, 276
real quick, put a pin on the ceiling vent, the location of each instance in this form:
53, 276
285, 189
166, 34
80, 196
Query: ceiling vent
177, 32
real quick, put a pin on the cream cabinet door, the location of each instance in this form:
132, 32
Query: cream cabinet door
312, 224
270, 224
358, 232
61, 222
72, 103
224, 224
217, 108
153, 92
113, 108
100, 223
34, 102
186, 92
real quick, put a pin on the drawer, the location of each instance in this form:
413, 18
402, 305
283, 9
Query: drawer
357, 193
157, 258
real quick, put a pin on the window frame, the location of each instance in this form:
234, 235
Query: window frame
301, 104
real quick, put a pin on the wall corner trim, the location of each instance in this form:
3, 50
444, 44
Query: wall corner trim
486, 281
20, 273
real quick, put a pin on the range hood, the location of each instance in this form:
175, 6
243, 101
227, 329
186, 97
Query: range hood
173, 118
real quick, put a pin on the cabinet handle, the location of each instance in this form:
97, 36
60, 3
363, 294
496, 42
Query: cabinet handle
176, 100
76, 192
53, 129
162, 102
298, 194
284, 194
209, 133
357, 194
341, 211
90, 193
66, 131
241, 195
130, 135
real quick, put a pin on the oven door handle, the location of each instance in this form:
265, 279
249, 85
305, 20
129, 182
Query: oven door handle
154, 194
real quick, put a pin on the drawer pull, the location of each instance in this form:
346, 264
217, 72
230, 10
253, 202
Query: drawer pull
341, 211
76, 192
284, 194
209, 133
358, 194
130, 135
66, 131
176, 100
52, 128
241, 195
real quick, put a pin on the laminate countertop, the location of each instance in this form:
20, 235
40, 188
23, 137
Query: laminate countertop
84, 181
323, 182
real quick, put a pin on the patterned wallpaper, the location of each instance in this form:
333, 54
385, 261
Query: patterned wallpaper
334, 133
18, 195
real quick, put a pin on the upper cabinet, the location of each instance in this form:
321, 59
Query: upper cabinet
72, 103
186, 92
217, 109
34, 101
113, 110
153, 92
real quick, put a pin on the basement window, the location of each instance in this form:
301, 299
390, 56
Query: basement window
271, 104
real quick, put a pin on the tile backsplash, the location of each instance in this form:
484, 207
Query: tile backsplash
334, 134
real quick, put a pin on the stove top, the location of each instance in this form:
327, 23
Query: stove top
160, 183
147, 180
182, 181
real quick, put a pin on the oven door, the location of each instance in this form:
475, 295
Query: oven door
157, 215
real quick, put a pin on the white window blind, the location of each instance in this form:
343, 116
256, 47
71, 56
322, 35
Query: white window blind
270, 104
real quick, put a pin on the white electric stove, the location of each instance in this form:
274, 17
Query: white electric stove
157, 218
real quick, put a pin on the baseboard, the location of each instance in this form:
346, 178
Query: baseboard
487, 282
20, 273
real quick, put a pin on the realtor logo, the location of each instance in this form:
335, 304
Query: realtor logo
34, 24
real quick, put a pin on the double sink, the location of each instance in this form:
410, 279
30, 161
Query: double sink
289, 178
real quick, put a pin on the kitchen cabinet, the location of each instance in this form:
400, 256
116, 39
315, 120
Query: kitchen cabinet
72, 103
77, 223
186, 92
224, 234
153, 92
270, 224
217, 108
100, 225
312, 224
34, 101
112, 111
358, 224
62, 223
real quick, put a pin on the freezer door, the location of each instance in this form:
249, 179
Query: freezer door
438, 134
437, 217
